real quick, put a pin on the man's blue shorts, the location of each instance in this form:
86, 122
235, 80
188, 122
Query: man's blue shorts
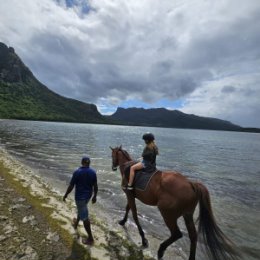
82, 207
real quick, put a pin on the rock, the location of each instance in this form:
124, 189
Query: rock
19, 239
30, 219
8, 190
2, 238
25, 252
30, 254
9, 229
3, 218
54, 237
16, 206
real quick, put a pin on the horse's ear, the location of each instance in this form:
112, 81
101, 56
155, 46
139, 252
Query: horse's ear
120, 147
111, 148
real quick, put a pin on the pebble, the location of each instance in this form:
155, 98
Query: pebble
2, 238
9, 229
30, 254
53, 237
28, 219
3, 218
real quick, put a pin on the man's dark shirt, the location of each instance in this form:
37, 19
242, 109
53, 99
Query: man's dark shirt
83, 178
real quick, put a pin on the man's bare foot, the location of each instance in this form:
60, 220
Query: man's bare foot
74, 223
87, 241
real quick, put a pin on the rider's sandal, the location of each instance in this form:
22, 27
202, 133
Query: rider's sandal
129, 187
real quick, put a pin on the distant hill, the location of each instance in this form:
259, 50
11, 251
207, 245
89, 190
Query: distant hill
161, 117
22, 96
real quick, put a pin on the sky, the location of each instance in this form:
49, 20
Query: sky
201, 57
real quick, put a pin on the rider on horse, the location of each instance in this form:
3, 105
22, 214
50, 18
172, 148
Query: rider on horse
149, 158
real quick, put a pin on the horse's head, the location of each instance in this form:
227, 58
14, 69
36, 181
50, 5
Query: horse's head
115, 157
119, 156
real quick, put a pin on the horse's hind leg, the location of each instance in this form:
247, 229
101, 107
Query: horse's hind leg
192, 235
171, 222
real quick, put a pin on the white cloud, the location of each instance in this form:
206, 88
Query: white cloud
110, 51
234, 98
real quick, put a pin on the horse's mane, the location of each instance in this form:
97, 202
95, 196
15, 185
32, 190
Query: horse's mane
126, 154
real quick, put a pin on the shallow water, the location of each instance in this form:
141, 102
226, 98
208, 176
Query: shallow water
228, 163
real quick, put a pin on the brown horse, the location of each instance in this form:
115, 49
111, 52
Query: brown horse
176, 196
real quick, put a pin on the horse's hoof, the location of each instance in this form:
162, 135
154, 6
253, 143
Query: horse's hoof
145, 243
160, 256
121, 222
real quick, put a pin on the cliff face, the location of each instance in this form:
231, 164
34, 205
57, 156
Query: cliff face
22, 96
12, 68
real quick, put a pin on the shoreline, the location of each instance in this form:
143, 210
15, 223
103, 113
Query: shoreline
33, 207
253, 130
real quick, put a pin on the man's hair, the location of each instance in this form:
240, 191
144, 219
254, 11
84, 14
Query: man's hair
85, 160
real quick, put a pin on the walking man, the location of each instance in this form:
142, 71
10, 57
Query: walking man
85, 180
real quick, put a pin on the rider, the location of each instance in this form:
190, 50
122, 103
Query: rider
149, 158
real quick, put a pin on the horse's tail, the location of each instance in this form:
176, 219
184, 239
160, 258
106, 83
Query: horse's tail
218, 246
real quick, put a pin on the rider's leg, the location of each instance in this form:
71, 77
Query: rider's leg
133, 168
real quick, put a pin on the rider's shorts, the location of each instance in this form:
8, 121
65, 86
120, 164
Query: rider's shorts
145, 163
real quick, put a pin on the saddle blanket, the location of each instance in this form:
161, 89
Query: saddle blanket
142, 178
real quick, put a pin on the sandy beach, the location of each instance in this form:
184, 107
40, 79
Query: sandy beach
36, 224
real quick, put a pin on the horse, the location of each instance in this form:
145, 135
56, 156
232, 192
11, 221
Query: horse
176, 196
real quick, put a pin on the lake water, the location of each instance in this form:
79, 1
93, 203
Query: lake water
228, 163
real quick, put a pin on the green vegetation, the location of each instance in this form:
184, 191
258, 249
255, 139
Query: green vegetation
33, 101
22, 96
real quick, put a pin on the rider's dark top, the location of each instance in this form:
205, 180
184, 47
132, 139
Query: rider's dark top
149, 155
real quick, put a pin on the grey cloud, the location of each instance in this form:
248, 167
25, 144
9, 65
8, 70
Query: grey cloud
237, 42
128, 49
228, 89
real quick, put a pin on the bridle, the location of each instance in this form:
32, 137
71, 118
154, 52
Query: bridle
124, 153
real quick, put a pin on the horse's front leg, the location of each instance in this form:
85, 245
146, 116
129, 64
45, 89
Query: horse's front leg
132, 205
123, 221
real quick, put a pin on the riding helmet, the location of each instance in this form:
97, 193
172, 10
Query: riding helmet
148, 137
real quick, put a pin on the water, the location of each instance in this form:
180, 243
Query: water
228, 163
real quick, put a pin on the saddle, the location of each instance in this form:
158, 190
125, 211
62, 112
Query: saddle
142, 177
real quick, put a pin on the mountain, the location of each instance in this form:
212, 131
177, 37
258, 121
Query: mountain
22, 96
161, 117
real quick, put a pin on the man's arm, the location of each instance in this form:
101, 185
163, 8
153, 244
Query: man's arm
94, 198
69, 190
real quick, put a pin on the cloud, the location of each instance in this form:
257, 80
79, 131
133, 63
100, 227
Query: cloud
228, 89
221, 99
109, 52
